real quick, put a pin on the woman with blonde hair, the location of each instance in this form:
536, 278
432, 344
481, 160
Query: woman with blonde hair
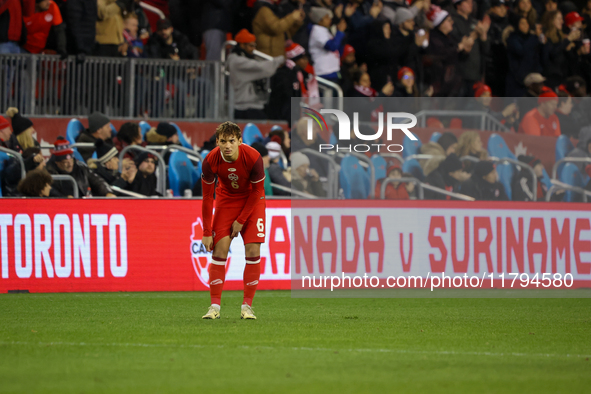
470, 144
557, 49
23, 129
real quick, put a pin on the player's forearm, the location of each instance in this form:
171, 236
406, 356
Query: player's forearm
207, 208
257, 194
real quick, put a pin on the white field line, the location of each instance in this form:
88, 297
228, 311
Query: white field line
273, 348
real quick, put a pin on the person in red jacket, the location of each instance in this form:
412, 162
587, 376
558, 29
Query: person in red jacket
394, 190
11, 23
542, 120
47, 16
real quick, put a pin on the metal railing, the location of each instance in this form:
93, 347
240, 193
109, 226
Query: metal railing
127, 192
372, 170
557, 185
437, 190
387, 181
293, 192
333, 172
161, 173
44, 85
568, 160
18, 157
164, 149
486, 121
68, 178
522, 165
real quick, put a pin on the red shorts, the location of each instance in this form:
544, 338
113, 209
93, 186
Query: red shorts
253, 230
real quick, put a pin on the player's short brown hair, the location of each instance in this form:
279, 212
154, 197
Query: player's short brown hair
228, 129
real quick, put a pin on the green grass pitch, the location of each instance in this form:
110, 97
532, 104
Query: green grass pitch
157, 343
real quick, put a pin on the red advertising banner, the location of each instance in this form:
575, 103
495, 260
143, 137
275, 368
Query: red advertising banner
134, 245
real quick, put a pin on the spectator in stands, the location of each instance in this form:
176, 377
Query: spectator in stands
141, 176
62, 162
443, 55
22, 130
282, 137
276, 173
129, 134
300, 141
563, 112
362, 88
394, 190
542, 120
135, 45
109, 29
270, 30
577, 89
11, 23
302, 35
449, 142
467, 27
534, 84
549, 6
470, 144
360, 15
524, 9
409, 46
33, 159
555, 52
216, 22
391, 9
447, 176
349, 67
305, 179
106, 165
406, 85
324, 47
169, 43
248, 77
483, 95
523, 51
266, 162
47, 17
484, 183
382, 52
36, 184
81, 18
163, 134
99, 128
522, 187
438, 155
497, 66
7, 139
583, 148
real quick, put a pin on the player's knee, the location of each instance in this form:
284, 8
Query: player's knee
252, 249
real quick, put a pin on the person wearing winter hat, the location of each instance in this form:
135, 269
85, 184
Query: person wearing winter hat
22, 129
276, 173
410, 45
6, 139
106, 165
448, 176
522, 184
304, 178
323, 46
163, 134
140, 176
394, 190
248, 77
99, 128
484, 183
448, 142
259, 147
62, 162
542, 120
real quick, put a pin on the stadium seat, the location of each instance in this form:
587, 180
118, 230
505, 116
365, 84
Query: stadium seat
455, 123
73, 130
546, 179
183, 141
410, 147
251, 134
204, 153
182, 174
413, 167
333, 139
380, 165
276, 127
435, 136
505, 171
498, 148
563, 147
572, 176
113, 131
144, 128
354, 179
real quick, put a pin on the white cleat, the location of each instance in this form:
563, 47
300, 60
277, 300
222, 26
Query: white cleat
212, 313
247, 313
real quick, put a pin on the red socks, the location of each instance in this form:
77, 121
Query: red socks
217, 277
252, 273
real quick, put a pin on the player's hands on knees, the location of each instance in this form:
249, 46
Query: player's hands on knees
236, 228
208, 243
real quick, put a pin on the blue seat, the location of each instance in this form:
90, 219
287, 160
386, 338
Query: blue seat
572, 176
546, 179
183, 141
144, 128
333, 139
410, 147
354, 179
380, 165
563, 147
276, 127
251, 134
204, 153
413, 167
435, 136
505, 171
182, 174
73, 130
113, 131
498, 148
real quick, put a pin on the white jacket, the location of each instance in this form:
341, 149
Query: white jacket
325, 62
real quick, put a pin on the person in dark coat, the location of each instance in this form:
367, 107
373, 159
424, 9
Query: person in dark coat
302, 35
448, 176
140, 176
484, 183
276, 173
583, 148
168, 43
99, 128
497, 65
107, 163
359, 21
62, 162
556, 50
80, 17
522, 184
382, 54
523, 55
216, 21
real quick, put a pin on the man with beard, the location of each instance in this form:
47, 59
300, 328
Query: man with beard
140, 177
248, 77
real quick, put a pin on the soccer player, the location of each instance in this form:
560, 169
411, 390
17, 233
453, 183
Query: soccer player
240, 208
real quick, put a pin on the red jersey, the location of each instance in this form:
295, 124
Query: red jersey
38, 26
534, 123
240, 183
